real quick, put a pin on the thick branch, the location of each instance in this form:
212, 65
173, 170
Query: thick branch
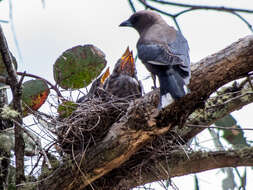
141, 123
179, 164
16, 91
228, 99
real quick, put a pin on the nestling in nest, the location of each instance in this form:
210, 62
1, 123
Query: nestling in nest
108, 97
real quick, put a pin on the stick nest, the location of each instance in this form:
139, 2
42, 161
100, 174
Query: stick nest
89, 123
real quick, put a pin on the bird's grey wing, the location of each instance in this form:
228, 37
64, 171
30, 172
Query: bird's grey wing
179, 47
156, 54
175, 54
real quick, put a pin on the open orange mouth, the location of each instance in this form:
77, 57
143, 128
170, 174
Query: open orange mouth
105, 75
127, 62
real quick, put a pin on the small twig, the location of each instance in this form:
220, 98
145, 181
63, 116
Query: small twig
244, 94
250, 82
218, 127
222, 8
40, 147
184, 11
132, 5
35, 165
155, 9
21, 81
243, 19
191, 7
4, 21
176, 23
49, 83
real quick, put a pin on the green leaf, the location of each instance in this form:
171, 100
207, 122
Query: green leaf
234, 137
78, 66
34, 95
66, 109
227, 121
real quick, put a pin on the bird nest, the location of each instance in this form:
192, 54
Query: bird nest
89, 123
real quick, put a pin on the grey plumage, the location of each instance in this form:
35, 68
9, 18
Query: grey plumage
123, 82
164, 52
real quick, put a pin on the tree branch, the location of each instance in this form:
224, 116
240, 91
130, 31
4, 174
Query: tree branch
191, 7
142, 123
16, 91
206, 7
229, 98
179, 164
132, 5
49, 83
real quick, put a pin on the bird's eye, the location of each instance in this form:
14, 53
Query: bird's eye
135, 19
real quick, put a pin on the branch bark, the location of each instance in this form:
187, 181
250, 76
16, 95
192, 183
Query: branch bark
142, 123
179, 165
229, 98
16, 91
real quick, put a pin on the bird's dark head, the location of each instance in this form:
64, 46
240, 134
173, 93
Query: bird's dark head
125, 64
142, 20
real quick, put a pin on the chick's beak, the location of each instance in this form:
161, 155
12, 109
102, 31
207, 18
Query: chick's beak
127, 62
105, 76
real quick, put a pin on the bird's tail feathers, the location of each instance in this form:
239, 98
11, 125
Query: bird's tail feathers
172, 87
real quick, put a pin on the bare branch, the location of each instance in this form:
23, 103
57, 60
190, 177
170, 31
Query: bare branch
16, 91
219, 127
4, 21
222, 8
49, 83
191, 7
132, 5
178, 165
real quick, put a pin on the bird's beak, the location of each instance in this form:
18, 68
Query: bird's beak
126, 54
105, 76
127, 62
126, 23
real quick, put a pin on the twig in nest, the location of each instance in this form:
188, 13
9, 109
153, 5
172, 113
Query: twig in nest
89, 121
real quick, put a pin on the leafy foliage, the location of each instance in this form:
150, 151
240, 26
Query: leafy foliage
34, 94
78, 66
66, 109
234, 137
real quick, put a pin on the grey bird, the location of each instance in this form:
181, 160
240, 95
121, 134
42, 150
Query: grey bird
123, 82
165, 53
